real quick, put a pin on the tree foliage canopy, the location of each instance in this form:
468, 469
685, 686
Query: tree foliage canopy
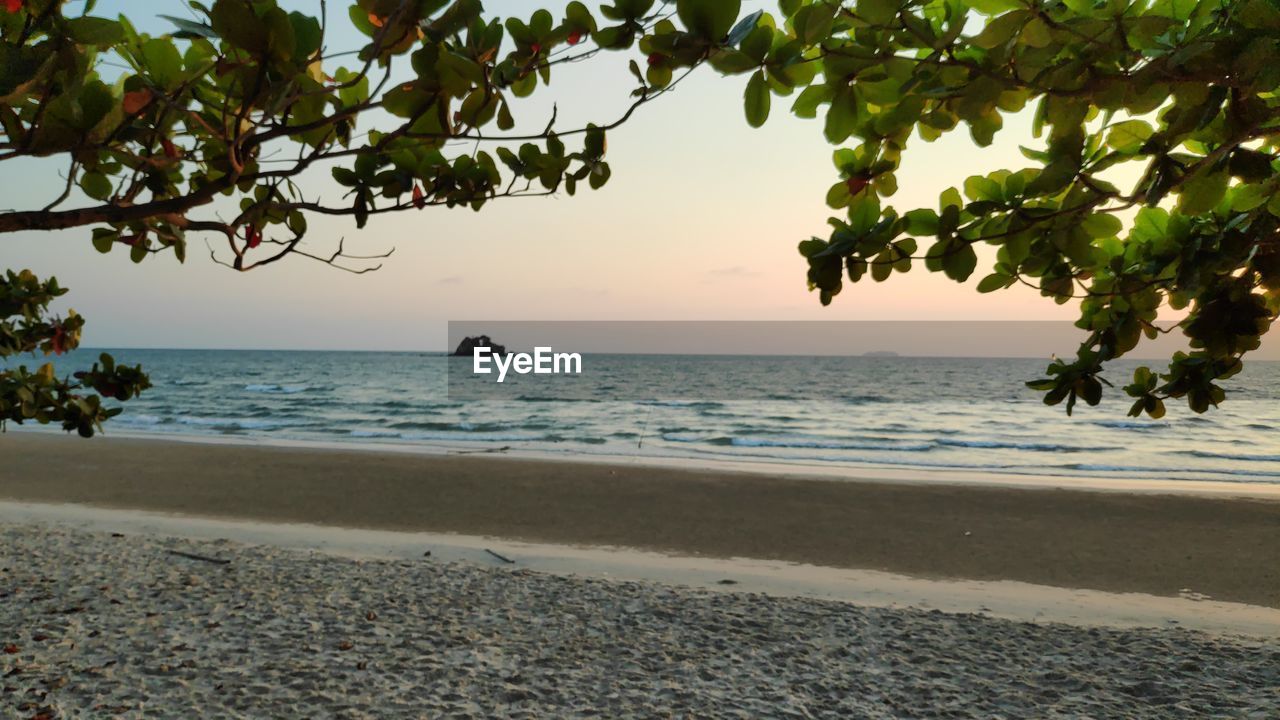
242, 101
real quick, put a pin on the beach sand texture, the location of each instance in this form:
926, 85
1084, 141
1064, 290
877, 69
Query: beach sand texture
1161, 544
97, 625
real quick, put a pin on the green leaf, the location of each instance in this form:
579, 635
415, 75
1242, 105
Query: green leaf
594, 144
1053, 178
732, 62
307, 35
96, 185
1129, 136
163, 62
993, 282
757, 44
710, 19
983, 188
1036, 33
756, 99
1150, 223
959, 262
878, 12
104, 239
1001, 30
235, 22
842, 116
922, 222
813, 22
807, 102
599, 176
1101, 225
1202, 193
992, 7
1247, 197
95, 31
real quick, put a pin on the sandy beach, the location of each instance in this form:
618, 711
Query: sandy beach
1160, 544
109, 625
153, 612
1220, 547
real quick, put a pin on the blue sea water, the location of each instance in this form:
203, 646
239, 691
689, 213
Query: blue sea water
934, 414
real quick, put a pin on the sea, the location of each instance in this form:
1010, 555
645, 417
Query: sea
860, 414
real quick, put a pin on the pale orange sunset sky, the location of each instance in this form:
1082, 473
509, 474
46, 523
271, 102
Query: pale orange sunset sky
700, 221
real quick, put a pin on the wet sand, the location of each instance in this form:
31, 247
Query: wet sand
1162, 544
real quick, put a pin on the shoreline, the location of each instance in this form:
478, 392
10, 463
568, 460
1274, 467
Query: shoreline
777, 468
1159, 544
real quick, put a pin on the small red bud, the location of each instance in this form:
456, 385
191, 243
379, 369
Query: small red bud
13, 6
857, 184
575, 37
535, 48
253, 236
656, 59
418, 200
135, 101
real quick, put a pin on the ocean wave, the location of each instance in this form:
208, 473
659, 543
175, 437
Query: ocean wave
141, 419
223, 423
864, 399
1228, 475
586, 440
1131, 424
900, 461
1163, 471
278, 389
1032, 446
371, 433
423, 425
1229, 456
758, 442
695, 404
472, 437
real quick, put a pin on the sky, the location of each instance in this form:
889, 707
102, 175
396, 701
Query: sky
699, 221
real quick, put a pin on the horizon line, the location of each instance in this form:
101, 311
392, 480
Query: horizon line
870, 354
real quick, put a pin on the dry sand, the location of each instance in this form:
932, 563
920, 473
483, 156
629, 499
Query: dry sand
1160, 544
96, 625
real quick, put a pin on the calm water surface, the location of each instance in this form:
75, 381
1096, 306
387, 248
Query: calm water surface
930, 413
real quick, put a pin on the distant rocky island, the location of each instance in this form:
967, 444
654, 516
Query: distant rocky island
881, 353
467, 348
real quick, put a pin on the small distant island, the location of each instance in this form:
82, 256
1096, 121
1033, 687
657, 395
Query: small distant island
881, 354
467, 348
